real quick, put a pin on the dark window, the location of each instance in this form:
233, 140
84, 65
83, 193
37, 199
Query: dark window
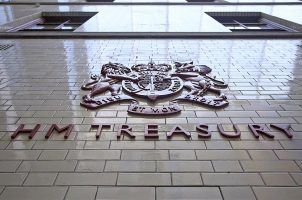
248, 21
57, 21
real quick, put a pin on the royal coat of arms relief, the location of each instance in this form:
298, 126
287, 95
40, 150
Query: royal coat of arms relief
184, 81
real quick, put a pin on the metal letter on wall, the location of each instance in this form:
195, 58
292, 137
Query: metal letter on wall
150, 82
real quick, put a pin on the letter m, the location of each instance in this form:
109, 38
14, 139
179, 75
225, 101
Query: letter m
54, 127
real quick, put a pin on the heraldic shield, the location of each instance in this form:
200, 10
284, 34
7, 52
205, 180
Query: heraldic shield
151, 82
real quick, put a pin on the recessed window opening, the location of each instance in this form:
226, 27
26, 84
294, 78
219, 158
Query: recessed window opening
56, 21
245, 21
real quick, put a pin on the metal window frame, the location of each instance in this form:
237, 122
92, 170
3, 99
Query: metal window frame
275, 22
31, 20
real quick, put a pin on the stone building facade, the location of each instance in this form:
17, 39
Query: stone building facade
193, 153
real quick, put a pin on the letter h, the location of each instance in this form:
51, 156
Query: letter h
21, 129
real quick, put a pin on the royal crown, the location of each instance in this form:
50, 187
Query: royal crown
151, 66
